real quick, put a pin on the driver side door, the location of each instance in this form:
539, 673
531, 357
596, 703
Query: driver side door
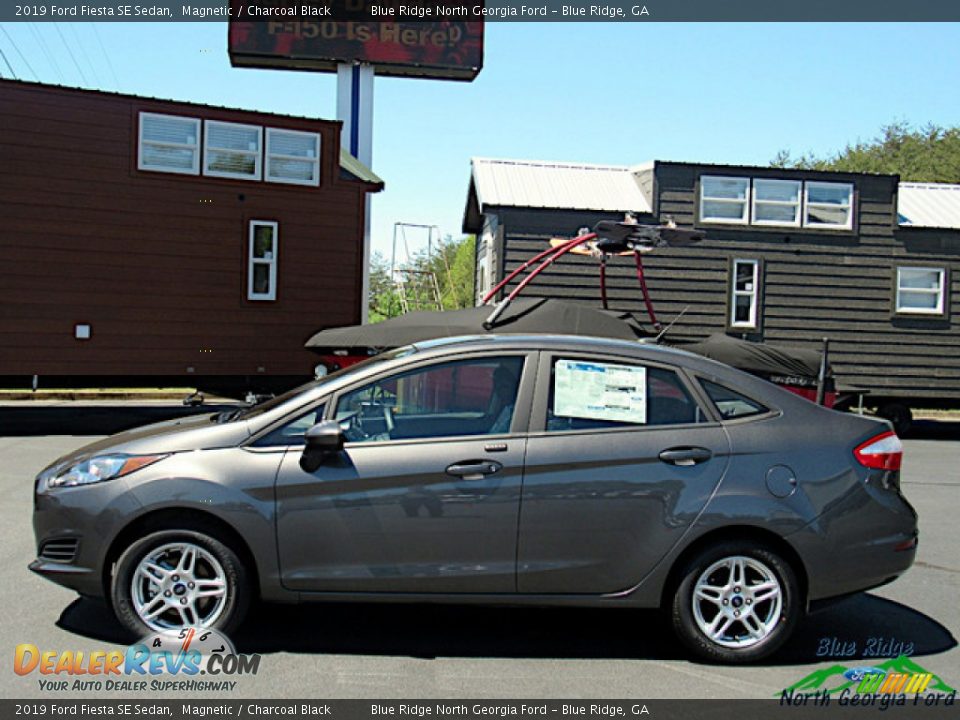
425, 495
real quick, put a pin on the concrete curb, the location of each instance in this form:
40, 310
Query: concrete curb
104, 395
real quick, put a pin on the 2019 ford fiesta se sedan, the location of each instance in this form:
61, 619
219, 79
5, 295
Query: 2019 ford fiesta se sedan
536, 470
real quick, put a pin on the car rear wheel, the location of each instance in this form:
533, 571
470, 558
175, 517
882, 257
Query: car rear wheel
173, 579
736, 602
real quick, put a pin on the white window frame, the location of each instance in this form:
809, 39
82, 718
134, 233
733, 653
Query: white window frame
807, 205
753, 294
481, 283
481, 279
939, 292
195, 147
257, 154
316, 160
755, 201
744, 218
272, 262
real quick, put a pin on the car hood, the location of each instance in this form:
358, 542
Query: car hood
196, 432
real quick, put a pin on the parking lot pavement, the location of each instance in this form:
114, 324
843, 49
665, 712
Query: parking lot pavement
416, 651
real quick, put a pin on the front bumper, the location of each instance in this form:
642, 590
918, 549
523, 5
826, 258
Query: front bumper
86, 518
84, 580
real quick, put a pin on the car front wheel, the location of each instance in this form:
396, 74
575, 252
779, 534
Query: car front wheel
173, 579
736, 602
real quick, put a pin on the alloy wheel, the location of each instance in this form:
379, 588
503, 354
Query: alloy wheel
737, 602
178, 585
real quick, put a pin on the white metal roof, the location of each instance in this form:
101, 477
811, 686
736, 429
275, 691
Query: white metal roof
625, 188
561, 185
932, 205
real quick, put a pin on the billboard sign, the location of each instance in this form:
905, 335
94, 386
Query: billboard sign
450, 50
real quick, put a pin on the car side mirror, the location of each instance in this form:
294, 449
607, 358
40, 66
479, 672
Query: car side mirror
323, 439
326, 436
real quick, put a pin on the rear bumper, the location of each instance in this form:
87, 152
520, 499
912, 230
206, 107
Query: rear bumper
865, 541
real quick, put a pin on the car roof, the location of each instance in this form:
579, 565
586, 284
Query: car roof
546, 342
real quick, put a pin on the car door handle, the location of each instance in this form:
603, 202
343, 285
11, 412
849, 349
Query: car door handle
474, 469
685, 456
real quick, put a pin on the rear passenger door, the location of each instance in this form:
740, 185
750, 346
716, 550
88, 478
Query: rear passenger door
620, 460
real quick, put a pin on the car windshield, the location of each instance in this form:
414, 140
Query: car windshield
267, 405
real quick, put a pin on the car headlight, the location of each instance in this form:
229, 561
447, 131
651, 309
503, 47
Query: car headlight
100, 468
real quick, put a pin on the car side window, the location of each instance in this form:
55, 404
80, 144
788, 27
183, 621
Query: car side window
476, 396
291, 432
731, 404
587, 395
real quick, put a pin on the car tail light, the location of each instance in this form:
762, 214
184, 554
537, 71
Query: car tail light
882, 452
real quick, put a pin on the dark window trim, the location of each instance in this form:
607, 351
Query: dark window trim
521, 411
255, 443
307, 405
772, 411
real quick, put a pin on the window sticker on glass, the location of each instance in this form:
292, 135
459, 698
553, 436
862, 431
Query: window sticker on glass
600, 391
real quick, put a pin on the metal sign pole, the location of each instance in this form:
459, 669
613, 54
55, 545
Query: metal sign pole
355, 110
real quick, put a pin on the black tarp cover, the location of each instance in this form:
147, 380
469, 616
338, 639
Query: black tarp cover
757, 358
522, 316
556, 317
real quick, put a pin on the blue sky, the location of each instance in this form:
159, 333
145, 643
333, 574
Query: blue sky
590, 92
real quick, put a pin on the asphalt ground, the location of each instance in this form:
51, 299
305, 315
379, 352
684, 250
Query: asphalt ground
397, 651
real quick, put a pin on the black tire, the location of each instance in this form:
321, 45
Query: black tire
682, 609
899, 415
237, 599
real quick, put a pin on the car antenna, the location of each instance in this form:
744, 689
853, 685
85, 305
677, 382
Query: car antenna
672, 323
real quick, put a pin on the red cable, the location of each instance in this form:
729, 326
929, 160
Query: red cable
646, 295
603, 280
573, 242
562, 250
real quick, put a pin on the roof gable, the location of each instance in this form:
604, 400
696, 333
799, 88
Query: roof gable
575, 186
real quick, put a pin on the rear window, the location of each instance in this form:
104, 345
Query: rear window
731, 404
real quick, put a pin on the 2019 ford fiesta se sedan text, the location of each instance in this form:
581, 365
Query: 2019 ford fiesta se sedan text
504, 470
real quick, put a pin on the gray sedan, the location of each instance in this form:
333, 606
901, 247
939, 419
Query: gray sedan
514, 470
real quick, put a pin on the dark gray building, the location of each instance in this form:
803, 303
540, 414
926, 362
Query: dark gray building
790, 257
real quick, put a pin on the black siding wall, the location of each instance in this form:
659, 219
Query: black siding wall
814, 284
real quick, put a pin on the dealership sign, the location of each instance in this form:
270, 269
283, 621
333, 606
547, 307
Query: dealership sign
169, 661
450, 50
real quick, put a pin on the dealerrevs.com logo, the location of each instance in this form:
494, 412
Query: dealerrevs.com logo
188, 660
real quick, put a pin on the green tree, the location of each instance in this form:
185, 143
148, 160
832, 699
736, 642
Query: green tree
454, 267
384, 301
927, 154
451, 263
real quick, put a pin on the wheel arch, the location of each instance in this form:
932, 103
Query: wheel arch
176, 518
748, 533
